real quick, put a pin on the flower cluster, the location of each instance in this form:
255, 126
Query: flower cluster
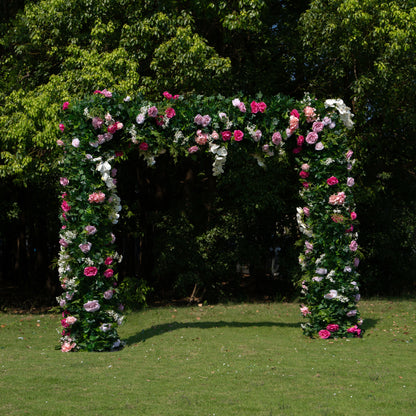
97, 132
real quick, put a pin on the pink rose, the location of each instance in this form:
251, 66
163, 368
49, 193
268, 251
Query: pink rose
303, 174
68, 346
305, 310
265, 148
257, 135
276, 138
349, 154
352, 313
353, 215
92, 306
96, 197
305, 167
63, 242
332, 327
64, 181
324, 334
226, 135
305, 185
170, 112
86, 247
109, 273
353, 245
70, 320
198, 119
90, 229
108, 294
119, 125
97, 122
332, 181
167, 95
143, 146
242, 107
61, 127
293, 124
254, 107
59, 142
201, 138
309, 113
75, 142
90, 271
238, 135
215, 135
312, 138
206, 119
337, 199
306, 211
65, 105
350, 182
108, 261
318, 126
152, 111
319, 146
193, 149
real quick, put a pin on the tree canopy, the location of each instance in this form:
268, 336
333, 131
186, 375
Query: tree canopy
361, 51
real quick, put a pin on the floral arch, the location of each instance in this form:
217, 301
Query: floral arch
99, 130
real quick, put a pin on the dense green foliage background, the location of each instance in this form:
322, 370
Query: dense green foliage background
56, 50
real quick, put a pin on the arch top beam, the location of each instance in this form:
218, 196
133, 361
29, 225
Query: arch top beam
101, 129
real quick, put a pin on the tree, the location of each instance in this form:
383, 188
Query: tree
54, 50
365, 50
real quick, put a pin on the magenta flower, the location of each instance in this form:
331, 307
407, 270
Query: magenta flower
324, 334
61, 127
108, 261
65, 105
226, 135
65, 207
170, 112
295, 113
238, 135
109, 273
332, 181
332, 327
167, 95
143, 146
90, 271
303, 174
64, 181
353, 215
254, 107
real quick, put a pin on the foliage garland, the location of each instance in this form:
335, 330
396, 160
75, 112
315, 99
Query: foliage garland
99, 131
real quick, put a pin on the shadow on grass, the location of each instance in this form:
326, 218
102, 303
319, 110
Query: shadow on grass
156, 330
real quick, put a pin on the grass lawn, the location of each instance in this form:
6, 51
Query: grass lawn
222, 360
